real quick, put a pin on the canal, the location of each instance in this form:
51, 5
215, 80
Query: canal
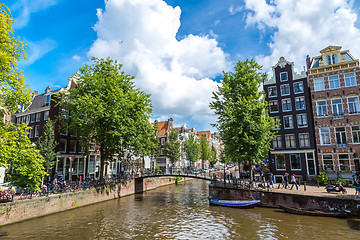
178, 212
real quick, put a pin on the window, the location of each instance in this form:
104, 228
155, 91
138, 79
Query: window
334, 82
344, 162
353, 103
27, 119
304, 140
274, 106
321, 108
334, 59
350, 79
288, 122
47, 100
92, 164
62, 145
283, 76
46, 115
295, 161
36, 131
280, 161
31, 132
286, 105
72, 146
162, 141
277, 142
337, 107
272, 91
92, 146
328, 60
290, 140
298, 87
285, 90
325, 136
38, 117
356, 134
319, 84
340, 135
277, 121
300, 103
302, 120
18, 119
32, 118
328, 162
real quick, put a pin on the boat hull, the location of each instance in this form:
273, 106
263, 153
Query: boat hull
235, 204
300, 211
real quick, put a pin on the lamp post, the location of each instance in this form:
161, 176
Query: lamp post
223, 157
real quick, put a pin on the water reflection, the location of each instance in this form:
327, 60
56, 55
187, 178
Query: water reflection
178, 212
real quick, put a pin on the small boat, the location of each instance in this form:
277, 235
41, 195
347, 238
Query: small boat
309, 212
235, 203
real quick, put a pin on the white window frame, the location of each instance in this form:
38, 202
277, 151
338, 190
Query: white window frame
282, 105
308, 140
276, 139
337, 106
37, 117
350, 79
272, 96
302, 84
281, 92
286, 142
46, 115
37, 131
272, 105
319, 82
296, 169
287, 77
276, 118
343, 159
327, 136
297, 120
323, 107
304, 105
356, 105
291, 122
276, 162
332, 159
335, 81
341, 134
357, 133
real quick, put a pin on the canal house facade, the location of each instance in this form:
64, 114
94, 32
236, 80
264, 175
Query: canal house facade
293, 148
334, 79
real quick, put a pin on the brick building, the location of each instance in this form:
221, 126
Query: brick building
334, 79
293, 148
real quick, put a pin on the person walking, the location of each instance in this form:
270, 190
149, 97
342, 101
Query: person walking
272, 180
286, 180
357, 187
293, 181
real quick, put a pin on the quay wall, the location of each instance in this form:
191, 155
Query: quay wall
20, 210
274, 199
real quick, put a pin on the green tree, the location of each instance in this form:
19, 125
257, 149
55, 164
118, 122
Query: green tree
191, 148
204, 150
13, 89
213, 155
172, 146
106, 107
24, 160
243, 120
46, 145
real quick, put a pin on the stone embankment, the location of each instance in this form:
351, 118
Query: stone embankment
311, 198
30, 208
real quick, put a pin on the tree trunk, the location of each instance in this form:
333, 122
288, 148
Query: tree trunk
102, 164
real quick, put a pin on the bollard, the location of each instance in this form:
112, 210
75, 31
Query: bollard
318, 184
279, 186
304, 186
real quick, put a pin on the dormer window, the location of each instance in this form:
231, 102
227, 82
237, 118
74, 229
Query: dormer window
328, 60
283, 76
47, 100
334, 59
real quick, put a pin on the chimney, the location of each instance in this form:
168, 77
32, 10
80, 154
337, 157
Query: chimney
35, 93
47, 90
307, 62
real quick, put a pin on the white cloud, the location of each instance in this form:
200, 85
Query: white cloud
24, 8
36, 50
76, 57
142, 36
304, 27
233, 10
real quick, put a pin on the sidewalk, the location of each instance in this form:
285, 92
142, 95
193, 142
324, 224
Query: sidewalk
314, 191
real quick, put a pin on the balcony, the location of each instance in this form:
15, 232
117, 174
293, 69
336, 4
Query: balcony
342, 145
338, 116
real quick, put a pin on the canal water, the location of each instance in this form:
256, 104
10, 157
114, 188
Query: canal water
178, 212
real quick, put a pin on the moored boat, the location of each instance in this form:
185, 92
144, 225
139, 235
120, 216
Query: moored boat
309, 212
235, 203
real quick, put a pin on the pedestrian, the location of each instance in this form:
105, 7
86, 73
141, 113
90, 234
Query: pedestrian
286, 180
293, 181
272, 180
357, 187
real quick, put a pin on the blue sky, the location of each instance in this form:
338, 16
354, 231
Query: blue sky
177, 49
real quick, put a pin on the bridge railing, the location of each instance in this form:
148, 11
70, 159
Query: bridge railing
198, 173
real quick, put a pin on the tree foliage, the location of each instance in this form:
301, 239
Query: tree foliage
172, 146
106, 107
24, 160
13, 89
191, 148
213, 155
46, 145
243, 121
204, 150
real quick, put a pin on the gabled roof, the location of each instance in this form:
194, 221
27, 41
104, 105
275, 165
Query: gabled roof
204, 133
163, 127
